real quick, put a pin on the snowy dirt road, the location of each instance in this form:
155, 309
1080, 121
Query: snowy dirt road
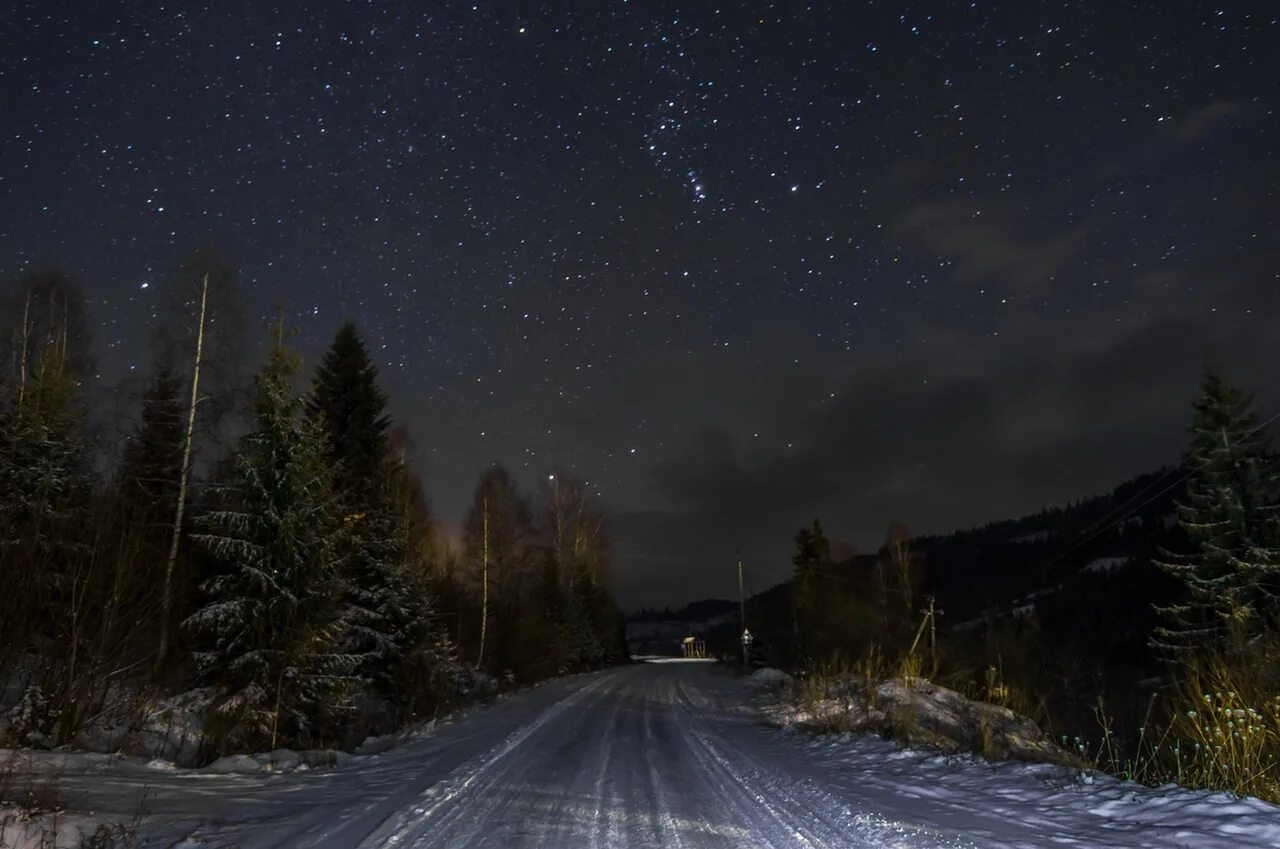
656, 755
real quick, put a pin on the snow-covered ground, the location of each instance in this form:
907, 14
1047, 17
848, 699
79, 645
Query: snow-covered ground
1107, 564
653, 755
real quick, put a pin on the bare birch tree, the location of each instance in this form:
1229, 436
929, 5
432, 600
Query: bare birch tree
183, 477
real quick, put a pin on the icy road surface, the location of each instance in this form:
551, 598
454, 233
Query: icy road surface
656, 755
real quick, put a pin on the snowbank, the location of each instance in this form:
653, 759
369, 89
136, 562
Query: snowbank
769, 678
920, 712
946, 720
170, 728
280, 760
22, 829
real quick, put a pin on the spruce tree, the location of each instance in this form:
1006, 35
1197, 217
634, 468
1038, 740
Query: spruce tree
813, 552
152, 459
345, 394
268, 628
1229, 517
46, 477
385, 615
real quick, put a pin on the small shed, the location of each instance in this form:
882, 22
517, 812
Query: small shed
693, 647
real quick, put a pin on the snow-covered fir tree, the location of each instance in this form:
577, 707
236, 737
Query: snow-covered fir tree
385, 616
45, 473
267, 631
151, 462
346, 395
43, 465
1229, 515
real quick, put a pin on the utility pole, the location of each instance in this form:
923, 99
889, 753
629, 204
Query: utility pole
484, 582
742, 616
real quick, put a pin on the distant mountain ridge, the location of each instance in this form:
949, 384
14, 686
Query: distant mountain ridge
659, 632
1084, 570
1087, 541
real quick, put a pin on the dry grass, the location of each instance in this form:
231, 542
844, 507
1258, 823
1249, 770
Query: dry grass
1222, 732
33, 813
830, 697
21, 790
1227, 729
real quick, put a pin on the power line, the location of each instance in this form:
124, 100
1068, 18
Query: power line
1186, 475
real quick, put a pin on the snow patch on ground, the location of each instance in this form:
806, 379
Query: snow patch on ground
280, 760
664, 659
1013, 805
769, 678
21, 829
1106, 564
170, 728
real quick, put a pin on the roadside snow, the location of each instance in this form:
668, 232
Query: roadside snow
21, 829
167, 728
920, 712
770, 678
1106, 564
280, 760
1017, 805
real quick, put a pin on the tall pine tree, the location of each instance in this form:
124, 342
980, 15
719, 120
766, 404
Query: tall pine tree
45, 473
268, 629
345, 394
813, 552
152, 459
386, 616
1229, 516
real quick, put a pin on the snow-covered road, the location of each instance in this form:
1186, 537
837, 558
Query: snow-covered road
656, 755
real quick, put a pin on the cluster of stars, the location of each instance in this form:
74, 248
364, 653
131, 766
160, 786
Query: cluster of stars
517, 208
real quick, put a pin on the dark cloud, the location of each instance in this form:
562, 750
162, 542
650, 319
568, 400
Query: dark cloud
953, 433
987, 246
1197, 124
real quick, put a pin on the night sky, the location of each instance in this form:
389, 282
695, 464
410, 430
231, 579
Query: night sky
737, 264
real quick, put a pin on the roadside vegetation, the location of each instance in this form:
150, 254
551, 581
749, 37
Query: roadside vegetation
240, 557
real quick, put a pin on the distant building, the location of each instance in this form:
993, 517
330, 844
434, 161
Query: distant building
693, 647
661, 633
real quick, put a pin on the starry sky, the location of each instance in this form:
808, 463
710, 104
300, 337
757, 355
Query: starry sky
736, 264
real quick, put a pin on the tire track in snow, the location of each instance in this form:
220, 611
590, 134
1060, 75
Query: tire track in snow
670, 834
839, 821
406, 828
604, 787
741, 792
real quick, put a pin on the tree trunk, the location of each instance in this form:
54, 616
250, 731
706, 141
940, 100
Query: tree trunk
180, 510
26, 344
484, 582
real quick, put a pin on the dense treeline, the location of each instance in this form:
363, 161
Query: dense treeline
259, 537
1103, 620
